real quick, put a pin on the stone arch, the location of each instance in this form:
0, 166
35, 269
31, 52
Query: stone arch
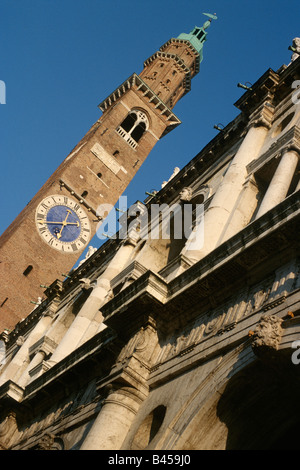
201, 195
253, 410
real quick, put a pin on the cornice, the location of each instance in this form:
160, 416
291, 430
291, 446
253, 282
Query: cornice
264, 88
141, 88
166, 55
189, 45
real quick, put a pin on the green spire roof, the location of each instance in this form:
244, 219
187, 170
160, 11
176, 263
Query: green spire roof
197, 36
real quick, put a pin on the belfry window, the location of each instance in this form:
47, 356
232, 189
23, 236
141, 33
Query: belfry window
133, 127
199, 33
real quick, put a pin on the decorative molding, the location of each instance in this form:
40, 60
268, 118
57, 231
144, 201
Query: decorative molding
45, 345
274, 303
262, 116
262, 90
289, 141
130, 273
11, 390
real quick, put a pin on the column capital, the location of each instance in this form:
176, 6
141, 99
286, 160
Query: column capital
292, 147
250, 181
262, 116
122, 395
294, 142
291, 141
44, 345
119, 407
133, 237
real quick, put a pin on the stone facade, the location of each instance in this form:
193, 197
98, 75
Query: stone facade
166, 344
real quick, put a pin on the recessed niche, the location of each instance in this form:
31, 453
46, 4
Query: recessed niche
28, 270
283, 124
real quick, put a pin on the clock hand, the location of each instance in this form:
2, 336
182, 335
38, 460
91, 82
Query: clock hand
73, 223
63, 224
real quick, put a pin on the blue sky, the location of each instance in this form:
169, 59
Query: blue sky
61, 58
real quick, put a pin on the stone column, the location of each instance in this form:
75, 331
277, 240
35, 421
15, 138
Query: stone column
114, 420
96, 299
21, 360
281, 181
243, 210
228, 192
37, 359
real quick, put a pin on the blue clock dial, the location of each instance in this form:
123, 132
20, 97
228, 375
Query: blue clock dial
63, 223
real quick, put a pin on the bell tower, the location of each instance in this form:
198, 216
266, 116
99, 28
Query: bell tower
48, 236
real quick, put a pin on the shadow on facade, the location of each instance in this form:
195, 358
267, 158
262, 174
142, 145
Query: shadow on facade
260, 410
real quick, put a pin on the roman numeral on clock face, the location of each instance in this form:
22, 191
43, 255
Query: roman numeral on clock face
63, 224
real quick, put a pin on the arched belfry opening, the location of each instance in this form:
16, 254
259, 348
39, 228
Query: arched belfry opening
133, 127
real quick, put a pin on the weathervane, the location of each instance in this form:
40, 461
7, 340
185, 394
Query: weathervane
211, 17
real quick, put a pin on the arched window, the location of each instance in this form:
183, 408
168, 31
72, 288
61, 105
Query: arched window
133, 127
149, 428
129, 121
138, 131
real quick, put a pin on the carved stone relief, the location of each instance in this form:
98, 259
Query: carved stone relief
50, 442
218, 322
268, 333
142, 344
7, 429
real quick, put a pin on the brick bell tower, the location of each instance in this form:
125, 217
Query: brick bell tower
49, 235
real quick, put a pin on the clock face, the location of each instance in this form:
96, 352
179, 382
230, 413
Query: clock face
63, 224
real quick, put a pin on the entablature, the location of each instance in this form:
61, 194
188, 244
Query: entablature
287, 76
227, 264
263, 89
289, 141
